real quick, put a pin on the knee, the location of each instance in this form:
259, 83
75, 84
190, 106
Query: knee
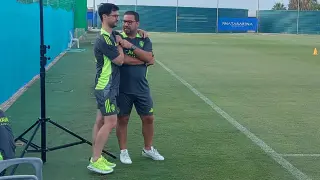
147, 119
110, 122
113, 124
99, 122
123, 120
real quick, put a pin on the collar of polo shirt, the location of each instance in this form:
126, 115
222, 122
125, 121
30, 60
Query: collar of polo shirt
125, 35
105, 32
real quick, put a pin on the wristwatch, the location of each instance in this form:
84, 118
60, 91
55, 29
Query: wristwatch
133, 47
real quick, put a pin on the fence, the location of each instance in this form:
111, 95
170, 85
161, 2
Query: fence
20, 31
181, 19
20, 39
291, 22
224, 16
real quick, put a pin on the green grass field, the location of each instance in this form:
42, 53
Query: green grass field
267, 83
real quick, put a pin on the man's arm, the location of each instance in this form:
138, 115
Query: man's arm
151, 62
120, 59
114, 53
132, 61
144, 54
143, 33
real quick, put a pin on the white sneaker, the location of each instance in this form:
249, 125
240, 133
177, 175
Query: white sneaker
124, 157
153, 154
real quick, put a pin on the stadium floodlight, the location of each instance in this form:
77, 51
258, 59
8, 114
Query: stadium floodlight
44, 119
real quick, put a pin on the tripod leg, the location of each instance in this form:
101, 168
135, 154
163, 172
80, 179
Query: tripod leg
36, 147
79, 137
25, 132
27, 145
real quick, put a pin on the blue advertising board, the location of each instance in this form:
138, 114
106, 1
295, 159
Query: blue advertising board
237, 24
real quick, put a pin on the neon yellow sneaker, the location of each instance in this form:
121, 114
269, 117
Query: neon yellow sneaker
99, 166
110, 164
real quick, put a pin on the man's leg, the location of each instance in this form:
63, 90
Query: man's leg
125, 104
122, 128
147, 130
98, 124
107, 105
110, 122
144, 107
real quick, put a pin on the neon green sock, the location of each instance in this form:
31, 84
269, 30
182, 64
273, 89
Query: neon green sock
1, 158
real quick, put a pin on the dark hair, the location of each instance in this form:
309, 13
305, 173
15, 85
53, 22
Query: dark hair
133, 13
107, 8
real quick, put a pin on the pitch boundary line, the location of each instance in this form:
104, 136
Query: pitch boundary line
300, 155
266, 148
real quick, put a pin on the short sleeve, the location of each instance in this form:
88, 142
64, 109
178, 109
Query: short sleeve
147, 45
108, 50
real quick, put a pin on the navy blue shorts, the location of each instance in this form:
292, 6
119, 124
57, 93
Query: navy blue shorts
143, 104
106, 101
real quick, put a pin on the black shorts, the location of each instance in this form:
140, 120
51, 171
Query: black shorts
106, 101
143, 104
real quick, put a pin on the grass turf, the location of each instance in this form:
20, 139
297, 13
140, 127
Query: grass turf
269, 84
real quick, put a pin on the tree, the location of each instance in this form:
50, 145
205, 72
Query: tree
303, 5
279, 6
315, 5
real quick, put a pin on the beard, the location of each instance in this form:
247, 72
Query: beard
113, 25
127, 30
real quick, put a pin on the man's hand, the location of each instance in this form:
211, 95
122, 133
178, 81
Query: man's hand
151, 62
118, 39
125, 44
143, 33
132, 61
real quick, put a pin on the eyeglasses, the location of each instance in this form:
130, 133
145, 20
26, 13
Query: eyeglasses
128, 22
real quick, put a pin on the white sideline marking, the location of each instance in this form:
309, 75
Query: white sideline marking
5, 105
300, 155
267, 149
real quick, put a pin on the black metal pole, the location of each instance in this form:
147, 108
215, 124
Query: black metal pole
43, 62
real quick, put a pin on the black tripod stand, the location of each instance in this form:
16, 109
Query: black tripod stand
43, 119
